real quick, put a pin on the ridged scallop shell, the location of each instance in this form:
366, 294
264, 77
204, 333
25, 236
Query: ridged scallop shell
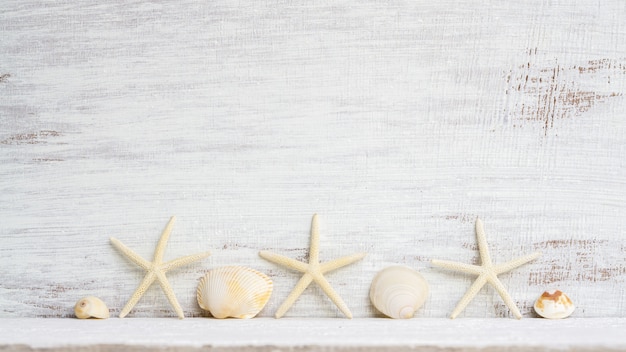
91, 307
234, 291
398, 291
554, 304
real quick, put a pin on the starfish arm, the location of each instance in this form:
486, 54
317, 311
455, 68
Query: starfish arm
340, 262
302, 284
314, 248
510, 265
141, 289
169, 293
469, 295
462, 267
284, 261
130, 254
176, 263
497, 284
333, 295
483, 248
165, 235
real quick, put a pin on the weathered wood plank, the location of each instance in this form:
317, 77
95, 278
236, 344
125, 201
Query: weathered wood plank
398, 122
310, 334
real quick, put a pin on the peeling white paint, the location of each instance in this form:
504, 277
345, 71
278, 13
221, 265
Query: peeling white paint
391, 120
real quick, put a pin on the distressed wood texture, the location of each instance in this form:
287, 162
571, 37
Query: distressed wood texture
399, 122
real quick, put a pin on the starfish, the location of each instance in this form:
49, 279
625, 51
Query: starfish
313, 271
155, 270
487, 273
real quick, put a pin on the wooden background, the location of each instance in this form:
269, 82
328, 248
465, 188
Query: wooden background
399, 122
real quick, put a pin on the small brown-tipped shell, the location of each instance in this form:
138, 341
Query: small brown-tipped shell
91, 307
234, 291
554, 304
398, 291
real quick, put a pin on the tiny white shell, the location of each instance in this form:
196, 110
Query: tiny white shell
554, 304
234, 291
91, 307
398, 291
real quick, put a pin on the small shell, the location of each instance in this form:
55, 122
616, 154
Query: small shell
234, 291
554, 304
91, 307
398, 291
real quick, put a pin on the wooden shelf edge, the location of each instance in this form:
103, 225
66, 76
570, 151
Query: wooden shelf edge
307, 334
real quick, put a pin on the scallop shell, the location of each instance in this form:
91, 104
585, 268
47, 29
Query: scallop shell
234, 291
91, 307
554, 304
398, 291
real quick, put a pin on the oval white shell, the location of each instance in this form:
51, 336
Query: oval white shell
234, 291
398, 291
91, 307
554, 304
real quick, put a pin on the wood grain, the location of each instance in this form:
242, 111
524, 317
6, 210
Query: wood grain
398, 122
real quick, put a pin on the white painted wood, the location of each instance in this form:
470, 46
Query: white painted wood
261, 334
398, 122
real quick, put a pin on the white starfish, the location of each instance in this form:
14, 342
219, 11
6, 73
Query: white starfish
156, 269
313, 271
487, 273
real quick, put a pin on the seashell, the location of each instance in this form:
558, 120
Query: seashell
554, 304
234, 291
91, 307
398, 291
